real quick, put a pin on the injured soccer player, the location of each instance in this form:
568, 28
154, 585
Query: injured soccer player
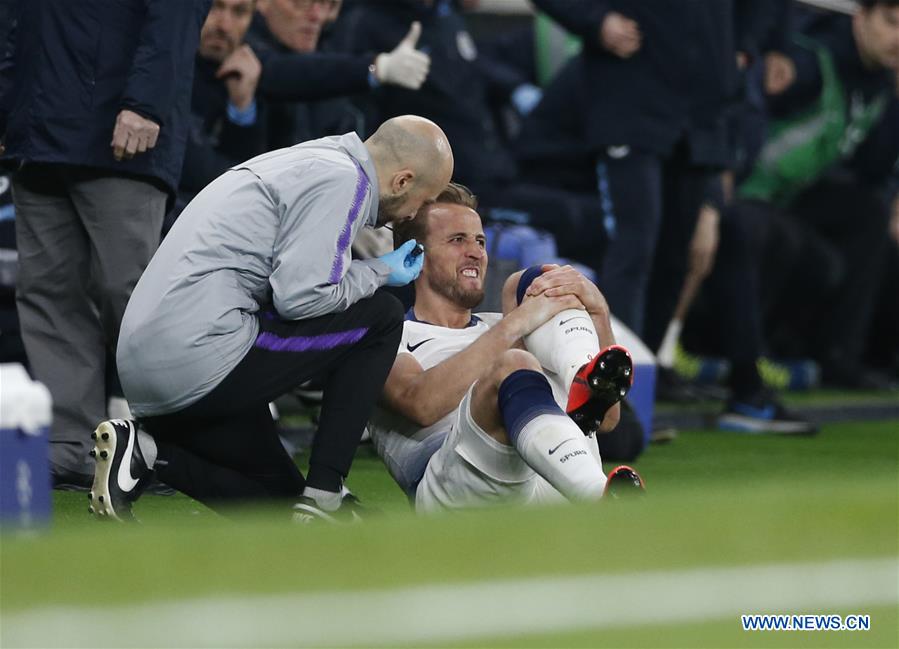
483, 408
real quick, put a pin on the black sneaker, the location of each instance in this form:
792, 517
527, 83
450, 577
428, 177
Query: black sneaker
599, 385
763, 414
624, 482
121, 474
671, 387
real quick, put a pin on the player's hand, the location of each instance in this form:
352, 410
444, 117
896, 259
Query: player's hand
535, 310
704, 245
558, 280
404, 267
241, 72
620, 35
132, 135
404, 66
780, 73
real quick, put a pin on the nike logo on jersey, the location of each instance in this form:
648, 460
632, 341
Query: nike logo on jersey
577, 317
553, 450
412, 347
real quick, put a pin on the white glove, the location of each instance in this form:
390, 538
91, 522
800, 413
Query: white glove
404, 66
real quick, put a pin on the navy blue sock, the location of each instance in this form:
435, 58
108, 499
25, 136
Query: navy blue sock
525, 280
523, 395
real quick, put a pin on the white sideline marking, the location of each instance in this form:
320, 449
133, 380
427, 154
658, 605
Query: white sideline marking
465, 611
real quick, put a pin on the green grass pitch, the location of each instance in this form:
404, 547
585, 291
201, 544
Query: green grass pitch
714, 501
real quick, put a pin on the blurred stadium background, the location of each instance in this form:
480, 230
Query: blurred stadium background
731, 525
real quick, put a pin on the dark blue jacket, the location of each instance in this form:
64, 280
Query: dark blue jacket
457, 89
677, 86
75, 65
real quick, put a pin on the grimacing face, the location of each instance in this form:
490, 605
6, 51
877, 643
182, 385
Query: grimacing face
225, 28
877, 29
455, 254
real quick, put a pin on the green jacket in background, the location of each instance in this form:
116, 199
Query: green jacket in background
803, 146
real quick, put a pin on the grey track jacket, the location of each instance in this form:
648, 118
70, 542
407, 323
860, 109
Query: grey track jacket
275, 229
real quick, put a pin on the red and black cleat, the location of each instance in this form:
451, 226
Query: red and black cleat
598, 386
623, 482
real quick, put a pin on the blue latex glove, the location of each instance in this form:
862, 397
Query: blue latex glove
404, 268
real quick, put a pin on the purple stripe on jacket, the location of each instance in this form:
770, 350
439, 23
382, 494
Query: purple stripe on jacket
275, 343
346, 235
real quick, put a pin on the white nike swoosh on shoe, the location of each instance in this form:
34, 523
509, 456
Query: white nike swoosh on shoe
127, 482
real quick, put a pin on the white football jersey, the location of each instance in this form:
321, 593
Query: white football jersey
430, 345
396, 438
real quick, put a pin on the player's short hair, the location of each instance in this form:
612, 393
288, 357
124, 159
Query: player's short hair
417, 228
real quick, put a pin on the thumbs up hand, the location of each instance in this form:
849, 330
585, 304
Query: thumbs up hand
405, 66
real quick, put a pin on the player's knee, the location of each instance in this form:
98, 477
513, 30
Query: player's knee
513, 360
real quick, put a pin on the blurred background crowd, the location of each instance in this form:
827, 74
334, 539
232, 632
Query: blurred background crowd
725, 170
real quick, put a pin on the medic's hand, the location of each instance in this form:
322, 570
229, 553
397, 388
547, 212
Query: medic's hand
404, 267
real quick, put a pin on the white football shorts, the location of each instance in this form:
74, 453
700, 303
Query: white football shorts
472, 469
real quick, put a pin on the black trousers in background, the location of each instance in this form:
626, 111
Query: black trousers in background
820, 264
853, 217
649, 206
726, 319
225, 447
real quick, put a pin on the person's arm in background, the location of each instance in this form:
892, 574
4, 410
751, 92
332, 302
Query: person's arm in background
160, 56
596, 24
552, 132
761, 26
792, 77
706, 235
779, 69
507, 63
242, 129
243, 132
313, 76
